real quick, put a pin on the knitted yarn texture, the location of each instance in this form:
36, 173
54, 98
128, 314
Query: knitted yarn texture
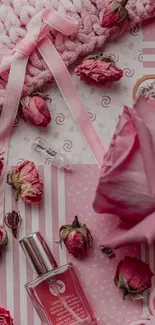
16, 14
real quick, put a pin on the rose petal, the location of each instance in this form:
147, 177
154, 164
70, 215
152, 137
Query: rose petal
5, 317
126, 187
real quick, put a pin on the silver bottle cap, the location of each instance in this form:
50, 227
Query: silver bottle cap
38, 253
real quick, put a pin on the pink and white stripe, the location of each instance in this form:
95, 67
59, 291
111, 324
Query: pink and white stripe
65, 195
148, 32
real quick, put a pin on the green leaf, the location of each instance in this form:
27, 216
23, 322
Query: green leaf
25, 101
115, 6
76, 223
122, 283
83, 232
63, 234
122, 14
91, 57
106, 58
137, 296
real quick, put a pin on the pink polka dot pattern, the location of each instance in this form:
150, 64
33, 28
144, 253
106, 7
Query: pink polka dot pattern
97, 270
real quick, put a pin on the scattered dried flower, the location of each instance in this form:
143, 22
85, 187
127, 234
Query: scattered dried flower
25, 179
3, 239
114, 13
100, 69
77, 238
1, 164
5, 317
35, 110
133, 276
13, 220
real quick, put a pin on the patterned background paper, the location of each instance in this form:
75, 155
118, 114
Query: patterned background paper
68, 194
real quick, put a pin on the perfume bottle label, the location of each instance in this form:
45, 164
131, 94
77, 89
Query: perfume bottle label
59, 287
63, 300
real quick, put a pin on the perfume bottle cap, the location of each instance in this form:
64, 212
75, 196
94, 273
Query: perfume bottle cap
38, 253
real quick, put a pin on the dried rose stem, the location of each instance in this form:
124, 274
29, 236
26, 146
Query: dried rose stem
125, 294
75, 223
124, 2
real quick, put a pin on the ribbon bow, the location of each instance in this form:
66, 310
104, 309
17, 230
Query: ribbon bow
16, 59
38, 28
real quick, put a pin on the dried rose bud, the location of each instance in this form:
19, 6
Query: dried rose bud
25, 179
13, 220
77, 238
5, 317
35, 110
114, 13
100, 69
3, 238
133, 276
1, 164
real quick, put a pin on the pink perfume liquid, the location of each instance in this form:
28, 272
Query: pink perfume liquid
59, 299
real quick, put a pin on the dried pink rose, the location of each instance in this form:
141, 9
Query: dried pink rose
25, 179
133, 276
5, 317
13, 220
99, 69
1, 165
114, 13
77, 238
3, 238
35, 110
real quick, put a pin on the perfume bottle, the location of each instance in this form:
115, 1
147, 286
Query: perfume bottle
51, 154
56, 293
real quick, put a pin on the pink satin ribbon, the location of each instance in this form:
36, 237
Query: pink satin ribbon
16, 61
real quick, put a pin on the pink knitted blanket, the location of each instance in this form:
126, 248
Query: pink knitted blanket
16, 14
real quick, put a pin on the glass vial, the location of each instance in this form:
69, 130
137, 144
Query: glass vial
51, 154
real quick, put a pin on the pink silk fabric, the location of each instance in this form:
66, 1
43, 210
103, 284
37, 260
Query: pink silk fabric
127, 183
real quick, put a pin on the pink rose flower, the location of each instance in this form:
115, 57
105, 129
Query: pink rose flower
5, 317
102, 72
126, 186
27, 182
35, 110
114, 13
133, 276
77, 238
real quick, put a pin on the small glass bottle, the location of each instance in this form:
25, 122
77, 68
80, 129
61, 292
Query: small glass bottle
51, 155
56, 293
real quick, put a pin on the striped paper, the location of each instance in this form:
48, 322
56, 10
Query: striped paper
66, 194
